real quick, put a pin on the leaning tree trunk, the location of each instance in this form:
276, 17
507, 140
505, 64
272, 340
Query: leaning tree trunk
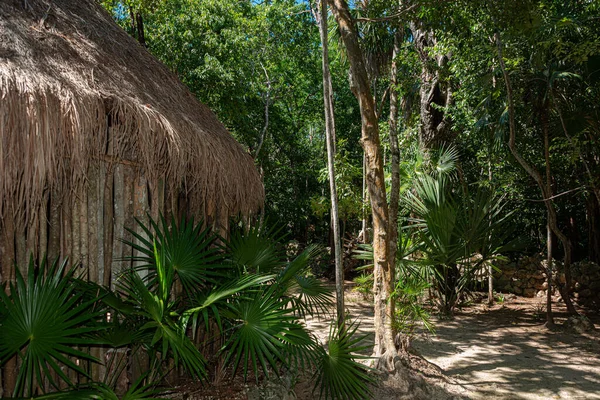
330, 134
535, 174
385, 349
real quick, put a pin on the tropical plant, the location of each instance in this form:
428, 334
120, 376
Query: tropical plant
364, 285
410, 313
43, 317
246, 289
338, 374
459, 232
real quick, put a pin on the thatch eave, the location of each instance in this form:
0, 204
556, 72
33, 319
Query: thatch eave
75, 88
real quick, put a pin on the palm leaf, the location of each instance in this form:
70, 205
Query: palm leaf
255, 248
188, 248
44, 317
262, 328
338, 375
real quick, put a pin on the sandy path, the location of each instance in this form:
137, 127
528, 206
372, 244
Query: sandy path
506, 353
501, 353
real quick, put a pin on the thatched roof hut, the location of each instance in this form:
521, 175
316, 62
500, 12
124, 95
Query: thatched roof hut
95, 131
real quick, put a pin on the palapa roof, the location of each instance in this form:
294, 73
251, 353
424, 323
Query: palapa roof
70, 78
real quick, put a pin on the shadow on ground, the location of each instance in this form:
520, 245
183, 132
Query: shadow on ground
506, 353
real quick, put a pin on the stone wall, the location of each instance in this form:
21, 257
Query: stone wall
527, 277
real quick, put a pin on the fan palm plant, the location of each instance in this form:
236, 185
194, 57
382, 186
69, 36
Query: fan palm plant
338, 375
245, 287
42, 318
459, 233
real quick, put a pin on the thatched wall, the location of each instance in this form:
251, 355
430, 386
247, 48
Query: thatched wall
93, 132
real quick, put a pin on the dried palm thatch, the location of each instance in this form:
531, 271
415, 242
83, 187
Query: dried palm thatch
80, 101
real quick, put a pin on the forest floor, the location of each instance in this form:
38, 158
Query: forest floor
499, 352
505, 352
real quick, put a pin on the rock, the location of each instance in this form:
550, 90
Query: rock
517, 290
578, 324
529, 292
541, 293
509, 272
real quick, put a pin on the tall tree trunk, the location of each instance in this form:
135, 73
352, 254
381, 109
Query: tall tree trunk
535, 174
490, 268
593, 225
108, 218
137, 25
549, 315
435, 94
330, 135
365, 199
385, 349
395, 150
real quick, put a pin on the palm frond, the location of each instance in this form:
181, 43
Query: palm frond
262, 327
338, 375
188, 248
255, 248
44, 317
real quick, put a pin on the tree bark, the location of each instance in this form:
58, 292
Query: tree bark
330, 135
384, 350
490, 268
395, 150
549, 315
365, 199
593, 225
549, 244
434, 92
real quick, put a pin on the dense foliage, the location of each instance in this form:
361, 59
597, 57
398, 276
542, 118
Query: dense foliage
190, 303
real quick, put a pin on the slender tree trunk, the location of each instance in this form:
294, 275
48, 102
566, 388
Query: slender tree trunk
535, 174
395, 150
330, 135
93, 230
265, 129
365, 199
593, 225
490, 269
385, 349
549, 315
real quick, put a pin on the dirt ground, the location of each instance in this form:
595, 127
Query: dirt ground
503, 352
